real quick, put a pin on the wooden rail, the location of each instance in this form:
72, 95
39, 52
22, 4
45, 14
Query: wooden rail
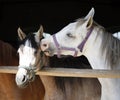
65, 72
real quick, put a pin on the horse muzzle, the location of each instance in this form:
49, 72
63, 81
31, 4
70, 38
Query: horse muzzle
23, 77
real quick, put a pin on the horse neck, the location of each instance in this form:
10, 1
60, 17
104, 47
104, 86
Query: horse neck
97, 60
98, 51
92, 51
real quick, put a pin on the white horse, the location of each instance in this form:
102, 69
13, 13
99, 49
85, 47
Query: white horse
86, 37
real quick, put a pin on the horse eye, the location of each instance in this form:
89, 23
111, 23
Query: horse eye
70, 35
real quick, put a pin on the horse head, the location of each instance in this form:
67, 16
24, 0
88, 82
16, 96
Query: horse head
71, 39
29, 56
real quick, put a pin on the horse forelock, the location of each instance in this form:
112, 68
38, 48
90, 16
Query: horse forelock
29, 41
7, 53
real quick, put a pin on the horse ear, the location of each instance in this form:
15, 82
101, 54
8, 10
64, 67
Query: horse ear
89, 19
21, 34
40, 31
89, 22
90, 14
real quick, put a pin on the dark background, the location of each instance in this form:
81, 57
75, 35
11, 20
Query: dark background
53, 15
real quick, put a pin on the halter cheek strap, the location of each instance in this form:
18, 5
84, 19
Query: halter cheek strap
85, 39
59, 48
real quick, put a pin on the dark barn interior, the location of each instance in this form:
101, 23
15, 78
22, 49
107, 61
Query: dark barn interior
53, 15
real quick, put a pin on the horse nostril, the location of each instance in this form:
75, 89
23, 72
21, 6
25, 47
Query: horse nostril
24, 78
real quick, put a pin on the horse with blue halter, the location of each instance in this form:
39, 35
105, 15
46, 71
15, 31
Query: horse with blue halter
88, 38
31, 59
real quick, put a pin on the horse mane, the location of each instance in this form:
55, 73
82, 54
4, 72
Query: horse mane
110, 46
7, 53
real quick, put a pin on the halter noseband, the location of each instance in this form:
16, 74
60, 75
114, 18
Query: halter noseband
80, 46
59, 48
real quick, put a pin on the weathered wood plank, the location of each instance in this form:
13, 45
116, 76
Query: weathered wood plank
80, 73
65, 72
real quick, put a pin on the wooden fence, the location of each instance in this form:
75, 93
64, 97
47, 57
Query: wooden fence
65, 72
